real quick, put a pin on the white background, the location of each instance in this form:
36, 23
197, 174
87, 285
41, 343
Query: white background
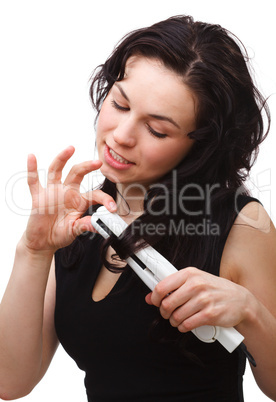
48, 51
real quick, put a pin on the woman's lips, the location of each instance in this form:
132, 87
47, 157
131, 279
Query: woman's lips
115, 160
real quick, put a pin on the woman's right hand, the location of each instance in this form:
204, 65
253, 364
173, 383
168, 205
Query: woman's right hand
57, 210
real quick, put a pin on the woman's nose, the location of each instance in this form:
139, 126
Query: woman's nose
125, 133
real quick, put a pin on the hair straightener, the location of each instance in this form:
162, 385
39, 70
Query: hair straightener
152, 267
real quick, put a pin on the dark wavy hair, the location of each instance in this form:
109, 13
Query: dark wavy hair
229, 129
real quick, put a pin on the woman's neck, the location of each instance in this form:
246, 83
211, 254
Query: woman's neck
130, 201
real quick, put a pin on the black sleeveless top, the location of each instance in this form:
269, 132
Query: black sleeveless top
113, 341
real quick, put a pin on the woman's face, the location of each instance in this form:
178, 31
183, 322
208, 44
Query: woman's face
143, 123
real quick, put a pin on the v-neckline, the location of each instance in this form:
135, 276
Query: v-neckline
113, 288
109, 289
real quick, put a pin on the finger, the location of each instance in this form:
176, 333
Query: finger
82, 225
56, 167
33, 178
183, 312
148, 298
172, 283
167, 286
100, 197
173, 301
77, 173
194, 321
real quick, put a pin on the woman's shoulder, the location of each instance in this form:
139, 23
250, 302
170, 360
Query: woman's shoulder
253, 216
251, 245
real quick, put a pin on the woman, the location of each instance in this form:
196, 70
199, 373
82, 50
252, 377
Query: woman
178, 129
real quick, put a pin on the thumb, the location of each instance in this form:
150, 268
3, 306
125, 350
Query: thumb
83, 225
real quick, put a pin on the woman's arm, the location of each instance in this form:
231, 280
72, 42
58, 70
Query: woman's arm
249, 259
27, 335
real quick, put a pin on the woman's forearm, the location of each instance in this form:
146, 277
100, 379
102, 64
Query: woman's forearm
21, 321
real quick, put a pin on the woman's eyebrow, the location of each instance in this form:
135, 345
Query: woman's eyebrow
122, 91
164, 118
155, 116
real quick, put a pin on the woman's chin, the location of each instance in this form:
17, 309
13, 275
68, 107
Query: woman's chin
111, 176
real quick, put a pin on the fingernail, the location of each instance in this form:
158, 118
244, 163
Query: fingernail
112, 206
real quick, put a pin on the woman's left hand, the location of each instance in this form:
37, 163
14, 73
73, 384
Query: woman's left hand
191, 298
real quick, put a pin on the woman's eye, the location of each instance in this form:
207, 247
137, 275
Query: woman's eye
155, 133
119, 107
126, 109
